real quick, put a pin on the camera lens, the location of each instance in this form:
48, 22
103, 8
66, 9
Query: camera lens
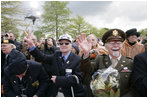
6, 35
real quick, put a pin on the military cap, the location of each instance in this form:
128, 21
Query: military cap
66, 37
7, 41
115, 34
132, 32
17, 66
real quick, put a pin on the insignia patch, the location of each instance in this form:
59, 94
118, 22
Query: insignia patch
125, 69
6, 41
35, 84
115, 33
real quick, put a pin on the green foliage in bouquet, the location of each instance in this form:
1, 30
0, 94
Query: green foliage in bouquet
106, 84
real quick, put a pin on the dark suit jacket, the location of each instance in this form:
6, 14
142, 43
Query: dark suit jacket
51, 92
35, 73
103, 61
10, 59
140, 73
55, 60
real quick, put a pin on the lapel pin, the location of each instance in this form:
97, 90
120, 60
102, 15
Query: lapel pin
123, 61
67, 62
14, 81
29, 77
126, 76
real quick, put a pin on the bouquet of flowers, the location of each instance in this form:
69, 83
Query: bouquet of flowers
105, 83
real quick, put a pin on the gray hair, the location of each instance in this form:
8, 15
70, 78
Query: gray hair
92, 35
14, 47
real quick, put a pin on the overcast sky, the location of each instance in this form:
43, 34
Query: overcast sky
112, 14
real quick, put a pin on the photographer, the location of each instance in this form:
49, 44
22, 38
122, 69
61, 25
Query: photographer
5, 36
17, 44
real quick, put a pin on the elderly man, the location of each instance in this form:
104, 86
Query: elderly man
25, 78
96, 49
65, 66
131, 46
113, 40
8, 55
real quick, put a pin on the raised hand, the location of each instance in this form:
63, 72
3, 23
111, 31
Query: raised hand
28, 38
85, 46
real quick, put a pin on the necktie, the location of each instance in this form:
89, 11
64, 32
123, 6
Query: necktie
6, 59
63, 59
114, 62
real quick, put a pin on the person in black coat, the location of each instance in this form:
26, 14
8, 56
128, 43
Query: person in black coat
25, 79
49, 48
65, 65
140, 73
8, 59
9, 54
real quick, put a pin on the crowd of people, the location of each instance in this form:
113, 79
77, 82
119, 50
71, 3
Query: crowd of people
65, 67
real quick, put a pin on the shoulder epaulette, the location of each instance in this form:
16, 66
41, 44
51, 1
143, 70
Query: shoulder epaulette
129, 58
103, 55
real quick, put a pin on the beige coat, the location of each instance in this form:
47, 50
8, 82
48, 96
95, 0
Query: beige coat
132, 51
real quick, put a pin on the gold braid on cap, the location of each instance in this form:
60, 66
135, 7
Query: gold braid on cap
6, 41
115, 33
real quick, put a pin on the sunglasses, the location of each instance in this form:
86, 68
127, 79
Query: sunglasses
118, 42
61, 43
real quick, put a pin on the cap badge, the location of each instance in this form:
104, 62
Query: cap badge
6, 41
115, 33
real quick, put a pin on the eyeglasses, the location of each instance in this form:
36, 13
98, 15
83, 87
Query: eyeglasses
61, 43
